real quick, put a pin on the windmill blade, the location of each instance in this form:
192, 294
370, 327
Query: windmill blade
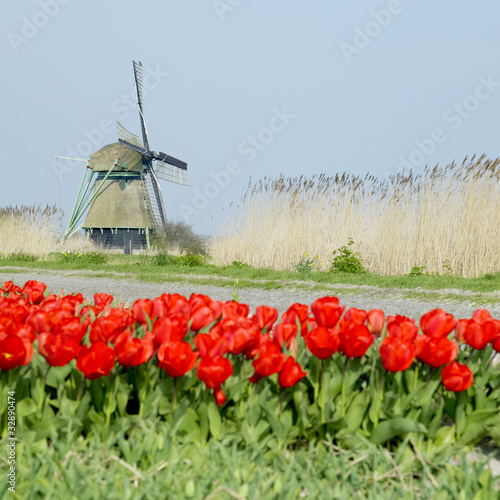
138, 90
171, 173
165, 158
144, 152
124, 134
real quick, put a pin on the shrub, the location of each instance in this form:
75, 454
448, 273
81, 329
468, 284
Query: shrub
192, 260
20, 256
84, 257
417, 271
189, 259
180, 238
346, 260
237, 264
164, 259
306, 264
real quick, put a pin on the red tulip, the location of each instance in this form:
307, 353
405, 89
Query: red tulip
203, 311
460, 330
176, 358
456, 377
34, 291
477, 334
109, 326
41, 321
57, 348
169, 304
291, 373
396, 354
232, 308
327, 311
9, 287
437, 352
375, 319
355, 315
14, 351
481, 315
214, 372
296, 312
210, 346
322, 342
202, 317
142, 310
71, 327
270, 360
355, 339
262, 339
101, 300
170, 328
402, 327
437, 323
266, 317
132, 351
284, 333
96, 361
496, 344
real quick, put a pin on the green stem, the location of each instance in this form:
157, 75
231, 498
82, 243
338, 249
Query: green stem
380, 393
42, 393
491, 360
415, 377
144, 389
111, 393
175, 393
80, 389
322, 392
343, 386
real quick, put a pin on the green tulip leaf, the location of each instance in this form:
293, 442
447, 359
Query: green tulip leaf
389, 429
214, 419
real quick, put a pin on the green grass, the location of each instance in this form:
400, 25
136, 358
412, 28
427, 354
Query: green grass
143, 268
150, 464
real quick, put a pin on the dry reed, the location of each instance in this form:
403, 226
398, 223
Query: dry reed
446, 219
35, 230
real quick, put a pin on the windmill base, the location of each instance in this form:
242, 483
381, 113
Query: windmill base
128, 240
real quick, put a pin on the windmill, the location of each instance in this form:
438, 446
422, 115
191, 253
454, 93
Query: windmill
126, 203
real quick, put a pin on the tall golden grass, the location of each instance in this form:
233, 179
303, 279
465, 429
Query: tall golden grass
446, 219
35, 230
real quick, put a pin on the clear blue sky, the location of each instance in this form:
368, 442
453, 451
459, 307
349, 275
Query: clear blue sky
256, 88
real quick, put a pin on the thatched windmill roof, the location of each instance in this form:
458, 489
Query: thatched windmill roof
104, 159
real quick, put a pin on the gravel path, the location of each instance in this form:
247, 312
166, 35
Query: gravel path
391, 301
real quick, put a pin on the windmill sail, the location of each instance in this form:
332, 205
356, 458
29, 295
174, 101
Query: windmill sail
138, 90
172, 173
127, 136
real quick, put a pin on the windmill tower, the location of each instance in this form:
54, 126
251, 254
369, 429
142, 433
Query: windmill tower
126, 203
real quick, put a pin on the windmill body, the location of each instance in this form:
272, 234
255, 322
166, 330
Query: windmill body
125, 204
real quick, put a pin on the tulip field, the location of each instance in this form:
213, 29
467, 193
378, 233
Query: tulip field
320, 383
